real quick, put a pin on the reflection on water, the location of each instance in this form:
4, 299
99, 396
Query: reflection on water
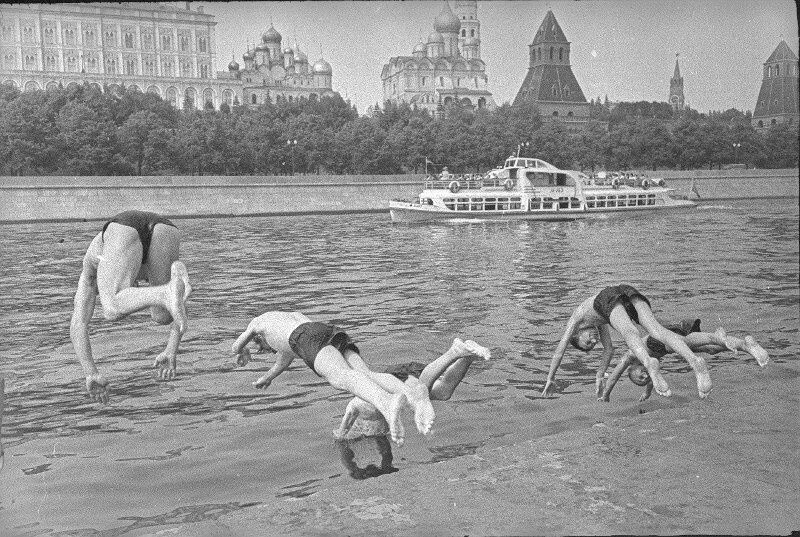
403, 292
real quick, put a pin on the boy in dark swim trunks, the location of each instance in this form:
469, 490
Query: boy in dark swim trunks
133, 246
622, 307
440, 377
331, 354
696, 340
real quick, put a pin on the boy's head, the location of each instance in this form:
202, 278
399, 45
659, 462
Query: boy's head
639, 375
585, 339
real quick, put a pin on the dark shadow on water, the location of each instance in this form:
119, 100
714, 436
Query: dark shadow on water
300, 490
352, 451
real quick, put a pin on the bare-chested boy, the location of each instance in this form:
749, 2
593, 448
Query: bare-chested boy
440, 377
622, 307
696, 340
331, 354
133, 246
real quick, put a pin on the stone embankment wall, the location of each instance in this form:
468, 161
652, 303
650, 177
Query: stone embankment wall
96, 198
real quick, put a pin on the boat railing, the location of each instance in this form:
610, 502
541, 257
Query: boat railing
463, 183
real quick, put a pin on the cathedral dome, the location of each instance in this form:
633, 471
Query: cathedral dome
435, 37
261, 47
322, 67
248, 55
420, 48
233, 66
288, 50
271, 35
446, 22
300, 57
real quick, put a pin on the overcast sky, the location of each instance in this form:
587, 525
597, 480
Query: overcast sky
621, 48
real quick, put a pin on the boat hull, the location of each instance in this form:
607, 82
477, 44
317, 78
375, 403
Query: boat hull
411, 212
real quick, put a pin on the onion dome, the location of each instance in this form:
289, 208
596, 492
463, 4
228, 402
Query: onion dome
288, 50
271, 35
299, 56
233, 66
420, 48
435, 37
248, 55
322, 67
446, 22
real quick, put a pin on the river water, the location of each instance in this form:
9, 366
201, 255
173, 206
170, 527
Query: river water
208, 443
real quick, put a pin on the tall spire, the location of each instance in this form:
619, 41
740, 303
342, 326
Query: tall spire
677, 73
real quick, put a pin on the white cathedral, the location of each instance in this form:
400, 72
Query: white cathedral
445, 69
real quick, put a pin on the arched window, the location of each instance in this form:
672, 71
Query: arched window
560, 54
773, 122
128, 40
555, 113
472, 33
777, 70
130, 66
552, 49
203, 44
463, 32
566, 91
570, 114
441, 81
769, 71
253, 98
760, 124
554, 90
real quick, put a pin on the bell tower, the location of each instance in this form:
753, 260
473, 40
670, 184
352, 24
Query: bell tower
676, 99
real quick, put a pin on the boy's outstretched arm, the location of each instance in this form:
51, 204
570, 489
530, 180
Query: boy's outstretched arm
605, 359
282, 362
240, 350
626, 361
558, 355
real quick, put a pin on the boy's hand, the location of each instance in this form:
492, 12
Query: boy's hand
548, 388
262, 383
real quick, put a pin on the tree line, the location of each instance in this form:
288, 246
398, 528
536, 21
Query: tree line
83, 131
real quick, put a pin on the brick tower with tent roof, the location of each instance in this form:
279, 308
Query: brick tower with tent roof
778, 98
550, 82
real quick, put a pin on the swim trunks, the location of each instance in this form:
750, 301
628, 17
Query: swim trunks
309, 338
143, 222
609, 297
656, 349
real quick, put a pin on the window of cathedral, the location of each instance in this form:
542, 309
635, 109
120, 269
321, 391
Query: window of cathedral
130, 66
424, 80
441, 81
458, 82
769, 71
109, 38
167, 68
566, 91
463, 32
10, 61
552, 49
7, 32
760, 124
773, 122
89, 38
111, 66
30, 61
128, 39
172, 96
254, 99
49, 35
27, 34
570, 114
777, 70
91, 63
472, 33
204, 71
186, 68
202, 44
50, 62
539, 53
69, 36
555, 113
147, 41
560, 54
554, 90
166, 42
183, 41
149, 67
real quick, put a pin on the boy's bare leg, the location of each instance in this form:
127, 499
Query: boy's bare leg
676, 343
623, 324
748, 345
332, 365
416, 393
446, 372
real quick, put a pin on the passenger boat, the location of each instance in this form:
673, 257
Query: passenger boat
532, 189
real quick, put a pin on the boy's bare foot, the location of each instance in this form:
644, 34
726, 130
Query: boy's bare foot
97, 386
703, 384
420, 401
179, 291
756, 351
460, 349
394, 418
478, 350
660, 385
725, 340
167, 365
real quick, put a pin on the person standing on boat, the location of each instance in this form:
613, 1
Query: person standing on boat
696, 340
133, 246
622, 307
330, 353
441, 377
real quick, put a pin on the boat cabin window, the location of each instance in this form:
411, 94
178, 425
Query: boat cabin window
463, 204
476, 204
512, 173
569, 203
540, 178
490, 204
450, 203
